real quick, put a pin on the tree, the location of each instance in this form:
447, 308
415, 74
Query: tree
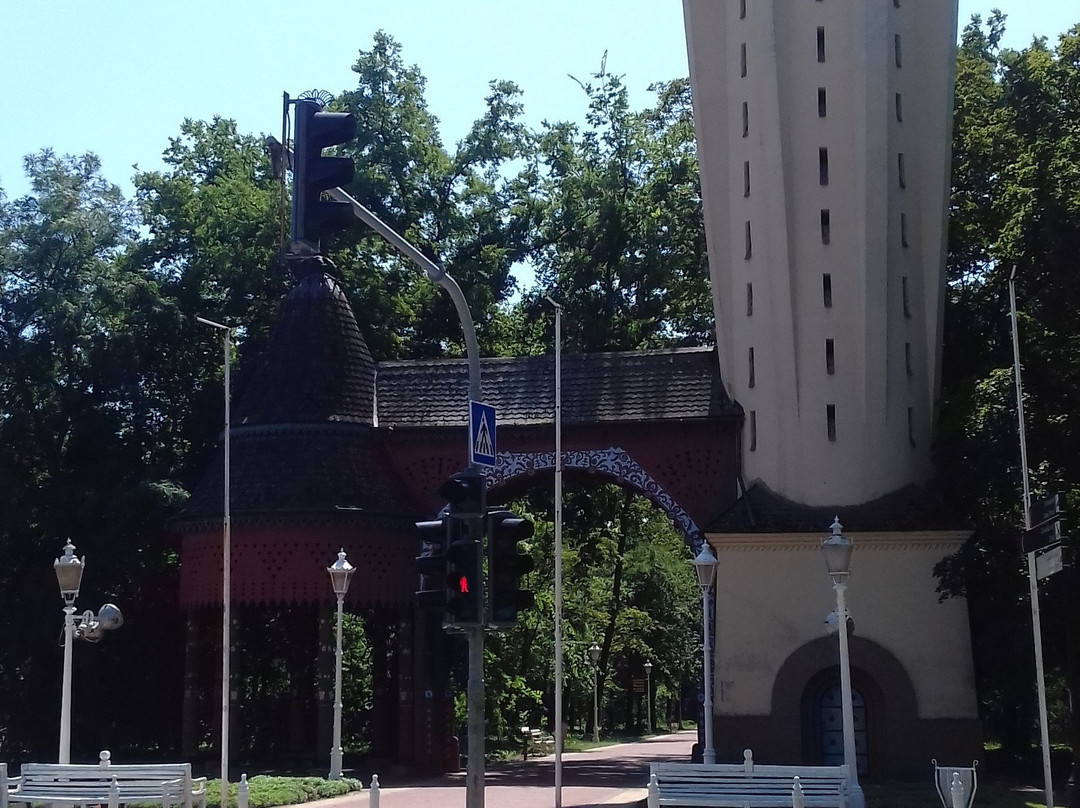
80, 438
627, 586
463, 208
1016, 154
621, 237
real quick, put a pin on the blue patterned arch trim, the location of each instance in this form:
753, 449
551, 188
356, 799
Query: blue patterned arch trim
613, 462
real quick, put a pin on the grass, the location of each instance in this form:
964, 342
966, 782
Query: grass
265, 791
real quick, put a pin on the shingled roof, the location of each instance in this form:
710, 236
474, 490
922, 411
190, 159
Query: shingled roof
303, 438
316, 367
680, 383
762, 510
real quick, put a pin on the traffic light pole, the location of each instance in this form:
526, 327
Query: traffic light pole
474, 765
435, 274
474, 773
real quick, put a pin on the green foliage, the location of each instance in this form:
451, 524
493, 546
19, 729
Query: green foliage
265, 791
621, 241
1016, 170
627, 586
463, 208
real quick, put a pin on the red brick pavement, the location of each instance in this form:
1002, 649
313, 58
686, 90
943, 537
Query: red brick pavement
609, 776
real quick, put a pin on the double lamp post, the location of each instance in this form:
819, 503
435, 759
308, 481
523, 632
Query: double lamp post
86, 626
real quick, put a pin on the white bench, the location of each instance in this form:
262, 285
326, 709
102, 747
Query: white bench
107, 784
6, 783
747, 785
537, 742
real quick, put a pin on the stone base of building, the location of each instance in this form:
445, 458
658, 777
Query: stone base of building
900, 748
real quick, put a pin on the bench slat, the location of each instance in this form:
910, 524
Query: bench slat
77, 783
745, 785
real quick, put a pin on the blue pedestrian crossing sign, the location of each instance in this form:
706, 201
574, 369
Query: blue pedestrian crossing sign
481, 434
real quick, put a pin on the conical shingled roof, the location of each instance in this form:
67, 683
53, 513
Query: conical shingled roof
317, 367
303, 438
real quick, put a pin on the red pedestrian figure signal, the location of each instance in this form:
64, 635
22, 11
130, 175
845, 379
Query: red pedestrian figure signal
463, 585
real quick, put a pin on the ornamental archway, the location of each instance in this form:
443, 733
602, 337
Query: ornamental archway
330, 450
613, 463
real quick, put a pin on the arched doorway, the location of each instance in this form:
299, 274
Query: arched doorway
821, 709
831, 722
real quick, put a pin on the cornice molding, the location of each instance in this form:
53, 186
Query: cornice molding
945, 540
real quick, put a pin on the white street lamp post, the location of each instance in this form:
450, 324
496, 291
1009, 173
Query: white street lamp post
705, 567
340, 572
87, 626
558, 555
69, 570
594, 655
226, 570
837, 550
648, 697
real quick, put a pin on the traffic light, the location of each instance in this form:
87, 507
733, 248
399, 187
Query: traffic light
506, 565
464, 576
431, 563
465, 492
312, 173
450, 565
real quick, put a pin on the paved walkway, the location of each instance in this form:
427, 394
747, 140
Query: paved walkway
608, 776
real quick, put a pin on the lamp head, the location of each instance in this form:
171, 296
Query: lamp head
69, 570
705, 567
93, 626
594, 653
340, 573
647, 666
837, 551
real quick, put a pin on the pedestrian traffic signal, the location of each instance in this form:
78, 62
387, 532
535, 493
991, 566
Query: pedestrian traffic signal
465, 493
312, 173
464, 574
431, 563
506, 565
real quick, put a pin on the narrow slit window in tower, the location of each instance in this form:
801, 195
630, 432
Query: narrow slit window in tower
896, 46
904, 296
821, 44
745, 119
821, 102
830, 420
749, 242
901, 172
750, 376
830, 357
742, 9
823, 165
911, 425
826, 290
903, 230
895, 3
742, 60
825, 225
753, 430
907, 359
899, 107
746, 177
749, 300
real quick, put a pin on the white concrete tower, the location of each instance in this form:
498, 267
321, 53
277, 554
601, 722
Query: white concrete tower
823, 130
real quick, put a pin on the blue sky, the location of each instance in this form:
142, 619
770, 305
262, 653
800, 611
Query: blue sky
117, 77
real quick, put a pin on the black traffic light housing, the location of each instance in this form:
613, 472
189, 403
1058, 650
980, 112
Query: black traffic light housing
464, 573
506, 565
312, 173
451, 564
466, 494
431, 563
